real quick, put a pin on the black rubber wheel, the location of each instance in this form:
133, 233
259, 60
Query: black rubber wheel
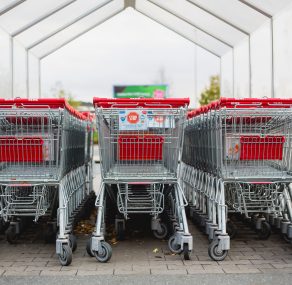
186, 252
88, 248
73, 242
161, 234
173, 247
105, 254
265, 231
49, 234
231, 229
120, 231
65, 257
215, 253
196, 219
188, 210
3, 226
11, 235
286, 238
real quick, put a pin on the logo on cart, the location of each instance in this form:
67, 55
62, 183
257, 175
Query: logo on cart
159, 119
133, 118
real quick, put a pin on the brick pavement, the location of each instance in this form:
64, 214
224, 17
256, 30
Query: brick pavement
135, 256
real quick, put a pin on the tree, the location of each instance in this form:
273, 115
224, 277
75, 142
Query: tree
212, 92
59, 92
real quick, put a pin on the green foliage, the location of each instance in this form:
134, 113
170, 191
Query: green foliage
59, 92
95, 137
69, 97
212, 92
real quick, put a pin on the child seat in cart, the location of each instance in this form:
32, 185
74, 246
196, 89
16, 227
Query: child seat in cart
140, 148
43, 157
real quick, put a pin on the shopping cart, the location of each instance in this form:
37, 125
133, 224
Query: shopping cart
42, 167
237, 157
140, 147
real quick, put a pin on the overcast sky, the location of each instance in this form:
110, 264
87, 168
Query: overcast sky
128, 49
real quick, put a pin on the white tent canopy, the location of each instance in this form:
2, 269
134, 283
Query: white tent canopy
235, 31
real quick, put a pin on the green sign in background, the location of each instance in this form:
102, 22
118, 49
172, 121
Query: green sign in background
140, 91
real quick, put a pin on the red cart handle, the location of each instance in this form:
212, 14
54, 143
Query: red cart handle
50, 103
254, 103
140, 102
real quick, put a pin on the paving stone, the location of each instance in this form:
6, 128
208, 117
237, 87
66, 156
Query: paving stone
168, 272
271, 261
282, 265
239, 269
58, 273
276, 271
5, 263
213, 269
131, 272
94, 272
191, 270
32, 263
234, 262
21, 273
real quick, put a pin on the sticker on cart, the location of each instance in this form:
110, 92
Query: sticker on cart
232, 148
160, 121
132, 120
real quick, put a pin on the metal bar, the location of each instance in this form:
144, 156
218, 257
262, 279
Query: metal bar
39, 79
272, 59
196, 72
10, 6
256, 8
272, 40
233, 73
27, 73
11, 47
68, 24
219, 18
199, 28
175, 31
250, 68
38, 20
78, 35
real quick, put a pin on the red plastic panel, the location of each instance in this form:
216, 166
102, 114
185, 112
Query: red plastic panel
140, 102
28, 149
261, 148
135, 147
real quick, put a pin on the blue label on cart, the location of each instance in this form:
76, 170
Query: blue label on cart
131, 120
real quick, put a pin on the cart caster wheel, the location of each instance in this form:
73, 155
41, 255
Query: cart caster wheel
196, 219
66, 257
3, 226
186, 252
88, 248
215, 253
73, 242
120, 231
231, 229
265, 231
174, 247
286, 238
161, 234
105, 254
187, 210
11, 235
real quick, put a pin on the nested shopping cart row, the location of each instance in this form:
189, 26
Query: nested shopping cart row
237, 159
140, 142
45, 167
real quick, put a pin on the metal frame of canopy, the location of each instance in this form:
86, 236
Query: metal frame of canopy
132, 4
